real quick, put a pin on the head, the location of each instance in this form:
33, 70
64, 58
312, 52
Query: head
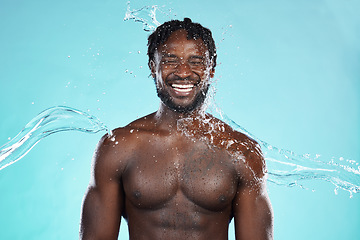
182, 59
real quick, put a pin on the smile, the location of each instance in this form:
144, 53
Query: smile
182, 87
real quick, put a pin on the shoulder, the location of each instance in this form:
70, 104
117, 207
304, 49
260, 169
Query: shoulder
127, 136
122, 141
110, 157
244, 150
116, 148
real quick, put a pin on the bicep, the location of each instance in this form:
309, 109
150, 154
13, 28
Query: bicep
103, 203
253, 215
101, 214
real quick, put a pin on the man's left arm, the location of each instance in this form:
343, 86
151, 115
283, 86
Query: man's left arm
251, 207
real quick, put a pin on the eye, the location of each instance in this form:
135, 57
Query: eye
196, 63
169, 62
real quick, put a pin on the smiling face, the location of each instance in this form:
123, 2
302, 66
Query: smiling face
182, 70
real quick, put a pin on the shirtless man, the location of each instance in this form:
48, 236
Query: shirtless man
178, 173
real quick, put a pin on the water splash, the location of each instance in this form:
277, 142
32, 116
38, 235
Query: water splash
52, 120
285, 168
145, 15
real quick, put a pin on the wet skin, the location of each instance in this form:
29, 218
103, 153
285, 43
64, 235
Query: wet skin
178, 175
182, 69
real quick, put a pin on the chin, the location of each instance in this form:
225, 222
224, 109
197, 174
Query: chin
195, 104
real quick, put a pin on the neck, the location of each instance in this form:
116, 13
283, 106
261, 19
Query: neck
168, 118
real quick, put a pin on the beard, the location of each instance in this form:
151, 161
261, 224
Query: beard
196, 103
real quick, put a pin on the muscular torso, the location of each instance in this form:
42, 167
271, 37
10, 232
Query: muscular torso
175, 187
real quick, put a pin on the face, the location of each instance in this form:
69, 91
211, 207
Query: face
182, 70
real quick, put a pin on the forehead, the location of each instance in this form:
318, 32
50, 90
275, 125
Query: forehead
179, 44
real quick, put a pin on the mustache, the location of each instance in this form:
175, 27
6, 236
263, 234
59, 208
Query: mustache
177, 78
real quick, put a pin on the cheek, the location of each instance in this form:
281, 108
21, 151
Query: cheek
202, 74
164, 72
160, 76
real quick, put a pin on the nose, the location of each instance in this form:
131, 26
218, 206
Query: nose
183, 70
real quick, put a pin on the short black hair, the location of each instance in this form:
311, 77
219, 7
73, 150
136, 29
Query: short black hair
194, 31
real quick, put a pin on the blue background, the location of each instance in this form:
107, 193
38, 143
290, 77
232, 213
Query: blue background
288, 72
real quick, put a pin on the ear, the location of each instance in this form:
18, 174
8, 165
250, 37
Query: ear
212, 72
152, 68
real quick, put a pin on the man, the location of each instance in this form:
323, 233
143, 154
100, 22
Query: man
178, 173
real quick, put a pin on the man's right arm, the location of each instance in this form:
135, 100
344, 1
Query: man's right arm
104, 200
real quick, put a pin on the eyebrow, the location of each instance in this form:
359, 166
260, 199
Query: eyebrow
169, 55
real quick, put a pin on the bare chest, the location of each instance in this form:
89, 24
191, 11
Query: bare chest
191, 174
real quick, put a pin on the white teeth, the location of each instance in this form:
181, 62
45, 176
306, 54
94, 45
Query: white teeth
183, 87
